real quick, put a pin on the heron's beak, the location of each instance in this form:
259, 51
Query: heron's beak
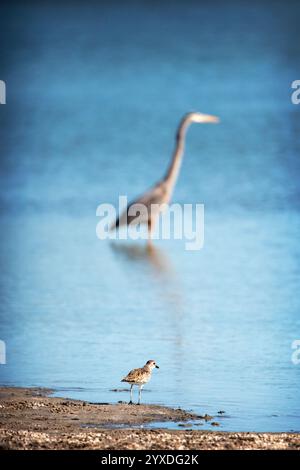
156, 367
203, 118
214, 119
209, 118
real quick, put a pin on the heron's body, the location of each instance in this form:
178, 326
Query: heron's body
140, 377
147, 207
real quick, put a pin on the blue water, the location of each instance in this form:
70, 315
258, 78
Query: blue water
94, 95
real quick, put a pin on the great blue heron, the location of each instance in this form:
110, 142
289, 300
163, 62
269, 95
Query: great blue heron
145, 209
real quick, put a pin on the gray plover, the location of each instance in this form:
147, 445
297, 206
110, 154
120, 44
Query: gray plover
140, 377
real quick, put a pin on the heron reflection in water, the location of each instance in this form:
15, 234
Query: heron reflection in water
148, 254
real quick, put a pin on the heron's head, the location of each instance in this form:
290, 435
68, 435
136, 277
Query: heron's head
202, 118
152, 364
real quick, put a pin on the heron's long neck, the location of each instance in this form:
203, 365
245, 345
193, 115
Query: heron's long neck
172, 173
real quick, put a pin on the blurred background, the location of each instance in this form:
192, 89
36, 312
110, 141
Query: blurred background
95, 91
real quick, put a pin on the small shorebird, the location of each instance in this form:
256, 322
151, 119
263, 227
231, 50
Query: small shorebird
140, 377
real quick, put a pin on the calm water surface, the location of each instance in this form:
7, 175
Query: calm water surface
95, 95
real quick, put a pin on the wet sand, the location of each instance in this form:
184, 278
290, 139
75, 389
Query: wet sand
31, 419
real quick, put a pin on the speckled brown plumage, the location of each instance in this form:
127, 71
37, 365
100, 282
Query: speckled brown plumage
140, 377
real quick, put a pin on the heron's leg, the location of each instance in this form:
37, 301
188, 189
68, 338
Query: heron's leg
150, 231
131, 387
140, 394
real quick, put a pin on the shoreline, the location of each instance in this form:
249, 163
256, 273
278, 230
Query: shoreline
31, 419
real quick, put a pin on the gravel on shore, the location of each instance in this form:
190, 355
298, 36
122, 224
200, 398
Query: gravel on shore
31, 419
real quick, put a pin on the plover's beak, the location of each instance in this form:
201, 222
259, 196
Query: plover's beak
156, 366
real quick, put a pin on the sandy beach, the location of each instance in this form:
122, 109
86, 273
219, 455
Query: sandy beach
32, 419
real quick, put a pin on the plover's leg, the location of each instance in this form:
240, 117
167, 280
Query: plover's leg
140, 394
131, 387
